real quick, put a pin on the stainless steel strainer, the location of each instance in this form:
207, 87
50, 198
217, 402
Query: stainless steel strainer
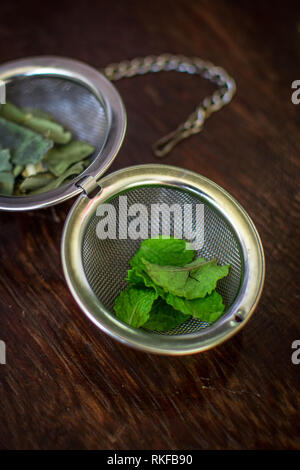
95, 268
80, 98
86, 103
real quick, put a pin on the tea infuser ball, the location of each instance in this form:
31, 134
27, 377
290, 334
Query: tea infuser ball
78, 97
85, 102
96, 268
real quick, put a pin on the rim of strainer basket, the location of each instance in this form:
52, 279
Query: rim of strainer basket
240, 222
103, 90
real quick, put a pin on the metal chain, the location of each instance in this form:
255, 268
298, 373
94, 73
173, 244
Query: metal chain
167, 62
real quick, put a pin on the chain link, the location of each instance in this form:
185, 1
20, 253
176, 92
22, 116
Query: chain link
195, 66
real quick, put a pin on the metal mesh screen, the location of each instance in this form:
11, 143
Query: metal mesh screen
71, 104
106, 261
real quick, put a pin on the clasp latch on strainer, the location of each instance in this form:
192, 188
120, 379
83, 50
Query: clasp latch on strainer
89, 186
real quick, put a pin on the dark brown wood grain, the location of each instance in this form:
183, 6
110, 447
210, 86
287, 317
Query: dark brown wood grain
65, 384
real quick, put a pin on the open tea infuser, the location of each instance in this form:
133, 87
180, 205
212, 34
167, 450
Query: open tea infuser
85, 102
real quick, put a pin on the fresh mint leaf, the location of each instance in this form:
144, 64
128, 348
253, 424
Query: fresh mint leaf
133, 305
163, 317
163, 251
209, 273
192, 281
134, 276
182, 286
139, 277
170, 251
207, 309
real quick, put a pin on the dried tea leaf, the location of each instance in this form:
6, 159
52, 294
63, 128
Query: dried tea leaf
59, 159
25, 146
76, 169
17, 170
35, 182
39, 113
47, 128
7, 181
33, 169
5, 160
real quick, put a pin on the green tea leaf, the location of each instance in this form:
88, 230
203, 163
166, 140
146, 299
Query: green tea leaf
59, 159
163, 317
50, 130
7, 181
5, 163
35, 182
163, 251
192, 281
39, 113
17, 170
133, 305
12, 113
25, 146
76, 169
41, 125
33, 169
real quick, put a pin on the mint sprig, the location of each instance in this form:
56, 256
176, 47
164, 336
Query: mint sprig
167, 286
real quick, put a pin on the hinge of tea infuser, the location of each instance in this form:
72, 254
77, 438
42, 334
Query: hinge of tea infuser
89, 186
195, 66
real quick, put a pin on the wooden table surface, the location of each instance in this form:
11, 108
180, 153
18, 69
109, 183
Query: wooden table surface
68, 386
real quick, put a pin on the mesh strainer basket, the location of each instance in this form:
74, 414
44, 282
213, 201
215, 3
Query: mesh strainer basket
80, 98
86, 103
95, 267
